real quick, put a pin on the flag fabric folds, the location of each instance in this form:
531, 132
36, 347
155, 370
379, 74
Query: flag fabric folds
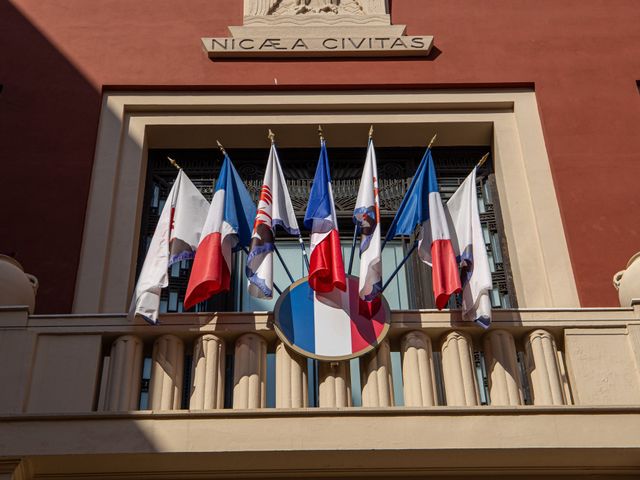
176, 238
366, 215
226, 229
326, 269
422, 206
274, 209
471, 253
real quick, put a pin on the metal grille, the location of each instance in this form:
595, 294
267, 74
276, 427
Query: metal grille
395, 167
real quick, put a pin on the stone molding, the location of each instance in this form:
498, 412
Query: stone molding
331, 442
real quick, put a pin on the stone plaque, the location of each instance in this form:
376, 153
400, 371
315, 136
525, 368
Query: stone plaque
327, 46
311, 28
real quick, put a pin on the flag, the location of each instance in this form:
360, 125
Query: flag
175, 239
274, 209
226, 229
329, 324
471, 252
326, 269
366, 215
422, 206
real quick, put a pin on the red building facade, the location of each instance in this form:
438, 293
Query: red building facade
582, 59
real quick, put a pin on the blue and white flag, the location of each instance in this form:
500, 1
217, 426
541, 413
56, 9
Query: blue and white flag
274, 209
367, 216
471, 252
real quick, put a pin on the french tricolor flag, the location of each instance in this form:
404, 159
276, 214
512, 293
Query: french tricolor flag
329, 324
422, 206
227, 228
326, 269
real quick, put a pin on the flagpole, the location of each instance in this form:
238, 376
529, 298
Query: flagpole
395, 272
483, 160
304, 252
174, 163
286, 269
353, 247
224, 152
395, 219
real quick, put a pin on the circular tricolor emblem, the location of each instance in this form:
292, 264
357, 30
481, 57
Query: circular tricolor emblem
329, 326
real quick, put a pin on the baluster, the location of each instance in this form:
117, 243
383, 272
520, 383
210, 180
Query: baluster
125, 374
208, 368
250, 372
418, 371
291, 379
334, 384
543, 369
458, 370
502, 368
377, 385
167, 370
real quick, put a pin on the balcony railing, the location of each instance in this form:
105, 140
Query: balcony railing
84, 363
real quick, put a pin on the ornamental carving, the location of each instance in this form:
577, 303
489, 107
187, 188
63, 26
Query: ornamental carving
317, 28
301, 7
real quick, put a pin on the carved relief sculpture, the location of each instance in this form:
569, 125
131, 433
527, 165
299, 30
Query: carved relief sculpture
300, 7
306, 28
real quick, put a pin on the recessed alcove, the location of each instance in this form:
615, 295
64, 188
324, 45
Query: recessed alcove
507, 121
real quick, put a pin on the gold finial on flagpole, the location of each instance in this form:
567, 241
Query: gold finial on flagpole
371, 132
320, 132
224, 152
482, 160
432, 140
174, 163
272, 137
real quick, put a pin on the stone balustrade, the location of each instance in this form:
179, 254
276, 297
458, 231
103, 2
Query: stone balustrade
235, 361
459, 373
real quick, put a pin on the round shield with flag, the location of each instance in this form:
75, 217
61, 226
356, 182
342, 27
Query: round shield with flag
330, 326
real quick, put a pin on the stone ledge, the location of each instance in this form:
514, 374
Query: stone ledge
330, 444
309, 412
297, 31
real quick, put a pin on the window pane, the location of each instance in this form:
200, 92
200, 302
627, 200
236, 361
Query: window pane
356, 385
396, 375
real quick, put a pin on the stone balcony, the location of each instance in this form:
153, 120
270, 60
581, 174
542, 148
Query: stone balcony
562, 388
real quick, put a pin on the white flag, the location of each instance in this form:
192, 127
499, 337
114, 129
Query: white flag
471, 252
274, 209
175, 239
367, 216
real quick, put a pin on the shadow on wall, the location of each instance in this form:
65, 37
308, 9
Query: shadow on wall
48, 117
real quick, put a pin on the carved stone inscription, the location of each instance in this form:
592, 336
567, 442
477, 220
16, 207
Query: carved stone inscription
311, 28
329, 46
